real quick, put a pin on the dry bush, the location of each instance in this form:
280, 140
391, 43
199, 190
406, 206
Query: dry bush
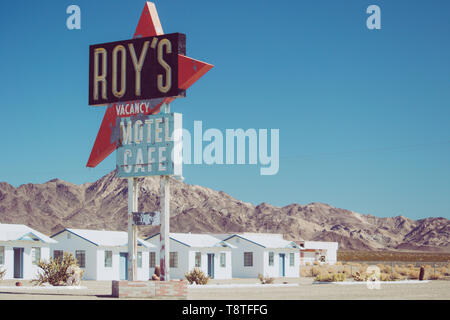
413, 274
307, 263
338, 263
316, 263
58, 272
315, 271
196, 276
265, 280
435, 276
305, 272
330, 277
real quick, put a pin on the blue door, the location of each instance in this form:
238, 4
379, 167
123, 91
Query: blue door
282, 273
211, 265
18, 263
123, 262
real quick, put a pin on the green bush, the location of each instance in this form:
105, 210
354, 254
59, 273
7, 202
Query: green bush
196, 276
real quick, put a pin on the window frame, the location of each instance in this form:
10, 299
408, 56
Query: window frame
246, 262
83, 254
291, 259
223, 263
271, 258
110, 260
173, 259
61, 256
152, 258
198, 255
139, 259
2, 255
34, 257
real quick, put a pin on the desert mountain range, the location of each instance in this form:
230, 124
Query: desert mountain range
56, 204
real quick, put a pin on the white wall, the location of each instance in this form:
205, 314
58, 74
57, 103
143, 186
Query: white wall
186, 259
113, 272
261, 260
77, 243
30, 270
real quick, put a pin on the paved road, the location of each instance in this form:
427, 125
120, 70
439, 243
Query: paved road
305, 290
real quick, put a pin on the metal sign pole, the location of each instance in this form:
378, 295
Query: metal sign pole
133, 195
165, 221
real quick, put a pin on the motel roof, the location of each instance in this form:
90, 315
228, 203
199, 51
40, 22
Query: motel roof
266, 241
104, 238
17, 232
196, 240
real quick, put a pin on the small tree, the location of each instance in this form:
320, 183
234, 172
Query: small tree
197, 276
58, 272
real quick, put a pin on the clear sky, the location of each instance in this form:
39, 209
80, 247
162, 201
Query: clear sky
364, 115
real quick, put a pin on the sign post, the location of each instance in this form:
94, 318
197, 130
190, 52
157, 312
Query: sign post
136, 78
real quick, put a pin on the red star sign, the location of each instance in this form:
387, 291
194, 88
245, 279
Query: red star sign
189, 71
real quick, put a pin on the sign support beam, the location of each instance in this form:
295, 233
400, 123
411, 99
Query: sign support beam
133, 195
164, 240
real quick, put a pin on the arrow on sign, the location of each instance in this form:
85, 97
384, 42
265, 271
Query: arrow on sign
189, 71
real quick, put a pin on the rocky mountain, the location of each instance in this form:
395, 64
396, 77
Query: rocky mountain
56, 204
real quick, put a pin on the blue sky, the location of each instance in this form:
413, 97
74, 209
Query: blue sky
363, 114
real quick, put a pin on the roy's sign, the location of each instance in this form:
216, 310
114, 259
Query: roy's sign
150, 145
137, 69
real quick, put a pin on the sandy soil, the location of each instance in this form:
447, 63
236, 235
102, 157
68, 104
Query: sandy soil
305, 290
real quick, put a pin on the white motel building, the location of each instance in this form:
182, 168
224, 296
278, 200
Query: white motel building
20, 250
104, 254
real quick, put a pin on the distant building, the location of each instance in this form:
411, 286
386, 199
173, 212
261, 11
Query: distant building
266, 254
21, 248
102, 254
320, 251
189, 251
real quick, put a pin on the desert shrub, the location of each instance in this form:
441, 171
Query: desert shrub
358, 276
196, 276
338, 263
58, 272
305, 272
435, 276
413, 274
397, 276
315, 271
2, 273
265, 280
330, 277
307, 263
316, 263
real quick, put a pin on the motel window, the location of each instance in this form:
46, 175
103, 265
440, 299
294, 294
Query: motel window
139, 259
80, 255
108, 259
35, 255
291, 259
2, 255
198, 259
173, 260
271, 255
152, 260
58, 254
248, 259
223, 259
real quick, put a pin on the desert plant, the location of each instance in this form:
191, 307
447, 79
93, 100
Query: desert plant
316, 263
435, 276
59, 272
330, 277
196, 276
265, 280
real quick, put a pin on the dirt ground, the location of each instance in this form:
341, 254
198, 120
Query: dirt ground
304, 290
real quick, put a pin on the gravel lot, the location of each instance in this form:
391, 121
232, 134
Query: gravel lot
304, 290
